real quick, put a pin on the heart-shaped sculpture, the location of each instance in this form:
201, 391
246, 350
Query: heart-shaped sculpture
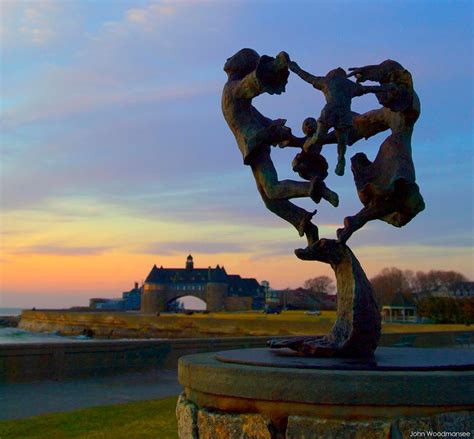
386, 186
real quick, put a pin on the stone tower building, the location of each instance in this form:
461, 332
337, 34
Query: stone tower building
214, 286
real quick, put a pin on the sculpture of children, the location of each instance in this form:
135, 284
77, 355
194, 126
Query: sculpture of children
250, 75
338, 91
312, 166
387, 186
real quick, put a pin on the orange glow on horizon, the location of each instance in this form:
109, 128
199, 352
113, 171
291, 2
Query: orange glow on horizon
115, 272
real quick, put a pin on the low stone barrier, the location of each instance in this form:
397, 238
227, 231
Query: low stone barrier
37, 361
32, 361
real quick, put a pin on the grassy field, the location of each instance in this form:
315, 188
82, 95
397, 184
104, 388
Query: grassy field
222, 324
135, 420
299, 322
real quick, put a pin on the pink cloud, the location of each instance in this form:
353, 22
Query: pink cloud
35, 23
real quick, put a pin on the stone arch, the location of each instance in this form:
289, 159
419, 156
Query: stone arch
176, 294
188, 295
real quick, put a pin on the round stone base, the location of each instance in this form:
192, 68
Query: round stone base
225, 399
404, 359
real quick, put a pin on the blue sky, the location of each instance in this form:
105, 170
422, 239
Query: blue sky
115, 153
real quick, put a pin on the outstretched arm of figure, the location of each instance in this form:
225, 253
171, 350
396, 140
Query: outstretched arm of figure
315, 81
364, 89
293, 142
375, 72
363, 126
365, 73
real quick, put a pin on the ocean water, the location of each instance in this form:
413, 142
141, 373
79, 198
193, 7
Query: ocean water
10, 311
17, 335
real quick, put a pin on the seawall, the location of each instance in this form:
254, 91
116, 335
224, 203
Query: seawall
39, 361
175, 336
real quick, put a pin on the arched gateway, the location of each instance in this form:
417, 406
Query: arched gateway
221, 291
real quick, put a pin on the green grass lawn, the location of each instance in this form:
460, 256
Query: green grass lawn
145, 419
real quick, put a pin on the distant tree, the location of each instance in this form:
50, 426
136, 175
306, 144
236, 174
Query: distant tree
435, 279
440, 309
446, 309
320, 284
312, 294
468, 310
389, 281
303, 298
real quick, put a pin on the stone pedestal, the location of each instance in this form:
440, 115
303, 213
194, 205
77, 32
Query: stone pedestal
262, 393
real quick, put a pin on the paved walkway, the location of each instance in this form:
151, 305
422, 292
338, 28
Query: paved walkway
22, 400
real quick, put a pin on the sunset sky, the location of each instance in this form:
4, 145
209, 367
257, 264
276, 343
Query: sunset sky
115, 155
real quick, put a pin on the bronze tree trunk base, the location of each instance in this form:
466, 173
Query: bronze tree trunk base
357, 328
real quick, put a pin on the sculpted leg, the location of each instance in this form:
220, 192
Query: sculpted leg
321, 131
342, 136
351, 224
359, 220
267, 178
298, 217
330, 196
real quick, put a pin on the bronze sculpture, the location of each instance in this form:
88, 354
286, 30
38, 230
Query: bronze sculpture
250, 75
338, 91
386, 186
311, 165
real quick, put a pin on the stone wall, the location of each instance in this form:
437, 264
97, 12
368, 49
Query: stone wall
216, 292
153, 298
195, 422
31, 362
238, 303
